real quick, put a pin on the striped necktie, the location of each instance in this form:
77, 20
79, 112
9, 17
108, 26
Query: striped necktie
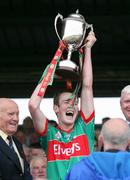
10, 143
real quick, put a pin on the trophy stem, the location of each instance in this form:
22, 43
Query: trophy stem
70, 50
69, 55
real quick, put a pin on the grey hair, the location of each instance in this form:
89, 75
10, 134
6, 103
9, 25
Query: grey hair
126, 89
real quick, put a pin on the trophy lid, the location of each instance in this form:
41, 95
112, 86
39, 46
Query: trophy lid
77, 16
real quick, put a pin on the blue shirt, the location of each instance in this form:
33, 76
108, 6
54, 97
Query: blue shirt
102, 166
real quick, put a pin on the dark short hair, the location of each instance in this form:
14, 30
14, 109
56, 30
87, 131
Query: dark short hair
105, 119
57, 96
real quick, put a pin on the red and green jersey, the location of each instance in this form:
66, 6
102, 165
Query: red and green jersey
65, 148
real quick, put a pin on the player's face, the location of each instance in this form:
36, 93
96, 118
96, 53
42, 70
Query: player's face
66, 113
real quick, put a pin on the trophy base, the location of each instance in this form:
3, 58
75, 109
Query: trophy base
67, 69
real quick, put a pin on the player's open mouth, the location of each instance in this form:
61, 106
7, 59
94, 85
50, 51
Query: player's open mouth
70, 113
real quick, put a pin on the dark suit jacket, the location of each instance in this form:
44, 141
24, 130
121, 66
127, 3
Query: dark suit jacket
10, 168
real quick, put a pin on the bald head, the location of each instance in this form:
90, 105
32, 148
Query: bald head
4, 102
115, 133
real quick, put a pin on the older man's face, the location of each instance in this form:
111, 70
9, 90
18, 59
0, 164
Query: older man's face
9, 118
125, 105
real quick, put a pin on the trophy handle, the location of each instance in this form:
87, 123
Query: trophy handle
56, 18
88, 26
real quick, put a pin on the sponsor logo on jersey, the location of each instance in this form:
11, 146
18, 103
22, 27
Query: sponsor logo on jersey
63, 151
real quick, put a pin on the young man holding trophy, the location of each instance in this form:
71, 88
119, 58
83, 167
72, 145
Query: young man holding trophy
73, 137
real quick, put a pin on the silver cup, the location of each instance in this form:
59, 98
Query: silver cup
72, 35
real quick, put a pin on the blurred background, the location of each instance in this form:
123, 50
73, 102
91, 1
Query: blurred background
28, 42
